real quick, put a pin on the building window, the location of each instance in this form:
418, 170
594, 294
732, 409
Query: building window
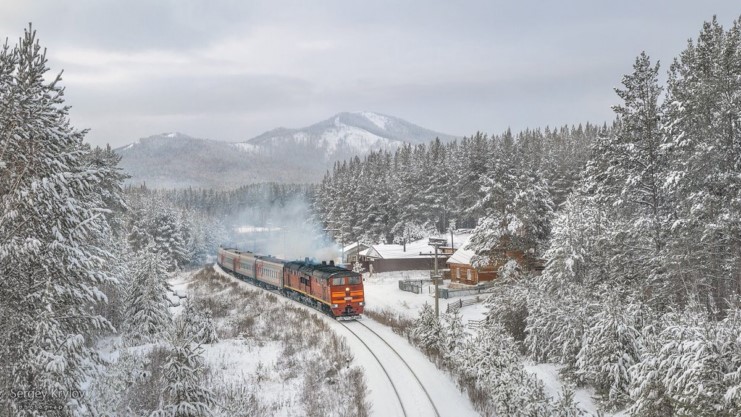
458, 274
468, 275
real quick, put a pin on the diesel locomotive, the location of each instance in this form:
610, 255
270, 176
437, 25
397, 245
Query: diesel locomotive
325, 286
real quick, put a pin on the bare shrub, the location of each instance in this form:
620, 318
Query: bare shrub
218, 306
237, 400
399, 323
244, 325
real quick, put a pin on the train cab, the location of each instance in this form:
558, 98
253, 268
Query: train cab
347, 296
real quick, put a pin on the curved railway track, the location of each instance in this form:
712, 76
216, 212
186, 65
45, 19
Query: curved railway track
391, 348
406, 410
385, 371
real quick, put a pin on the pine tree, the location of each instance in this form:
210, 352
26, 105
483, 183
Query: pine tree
185, 396
703, 135
610, 346
52, 228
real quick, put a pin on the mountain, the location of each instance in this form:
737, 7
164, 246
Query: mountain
353, 133
175, 160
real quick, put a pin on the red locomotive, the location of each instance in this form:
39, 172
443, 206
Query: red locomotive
326, 287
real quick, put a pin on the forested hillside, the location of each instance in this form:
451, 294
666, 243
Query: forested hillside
389, 197
639, 225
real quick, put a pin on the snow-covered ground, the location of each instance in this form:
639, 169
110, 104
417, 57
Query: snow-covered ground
234, 359
448, 399
382, 293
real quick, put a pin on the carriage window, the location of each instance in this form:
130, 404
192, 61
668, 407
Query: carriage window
353, 280
338, 281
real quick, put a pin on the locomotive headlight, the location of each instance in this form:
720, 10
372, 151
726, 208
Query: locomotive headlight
361, 303
334, 306
347, 288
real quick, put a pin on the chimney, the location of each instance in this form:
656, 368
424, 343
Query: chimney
324, 262
331, 263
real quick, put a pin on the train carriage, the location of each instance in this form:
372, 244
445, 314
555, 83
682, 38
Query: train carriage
269, 271
228, 258
245, 265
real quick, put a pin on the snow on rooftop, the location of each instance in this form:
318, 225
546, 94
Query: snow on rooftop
416, 249
461, 256
352, 246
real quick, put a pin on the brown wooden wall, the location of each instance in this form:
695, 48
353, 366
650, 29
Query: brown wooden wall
408, 264
483, 275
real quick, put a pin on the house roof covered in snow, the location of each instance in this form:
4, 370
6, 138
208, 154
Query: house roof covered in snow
461, 256
416, 249
352, 246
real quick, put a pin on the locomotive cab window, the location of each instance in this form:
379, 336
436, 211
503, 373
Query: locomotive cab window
338, 281
353, 280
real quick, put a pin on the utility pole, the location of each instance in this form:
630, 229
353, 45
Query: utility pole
436, 242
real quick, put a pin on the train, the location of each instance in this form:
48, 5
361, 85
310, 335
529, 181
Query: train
325, 286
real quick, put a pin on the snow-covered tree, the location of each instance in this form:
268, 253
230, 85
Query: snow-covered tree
200, 324
183, 371
703, 137
517, 207
53, 227
491, 363
147, 313
453, 335
610, 346
566, 406
427, 331
688, 368
358, 267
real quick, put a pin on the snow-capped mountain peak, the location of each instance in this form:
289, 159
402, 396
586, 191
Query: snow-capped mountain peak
349, 133
176, 160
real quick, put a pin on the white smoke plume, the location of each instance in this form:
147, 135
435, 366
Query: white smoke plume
286, 231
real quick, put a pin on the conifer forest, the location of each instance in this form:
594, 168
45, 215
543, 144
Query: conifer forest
634, 224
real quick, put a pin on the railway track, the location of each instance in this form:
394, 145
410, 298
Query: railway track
403, 384
415, 408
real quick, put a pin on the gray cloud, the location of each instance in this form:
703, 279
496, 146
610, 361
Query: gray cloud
232, 69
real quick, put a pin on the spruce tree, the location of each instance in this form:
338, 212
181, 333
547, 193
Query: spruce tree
147, 313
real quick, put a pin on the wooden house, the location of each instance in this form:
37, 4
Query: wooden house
462, 271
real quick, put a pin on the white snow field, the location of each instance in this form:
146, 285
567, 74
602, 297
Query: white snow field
384, 355
385, 370
382, 293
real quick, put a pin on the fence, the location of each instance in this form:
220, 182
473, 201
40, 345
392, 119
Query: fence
476, 324
463, 303
451, 293
414, 286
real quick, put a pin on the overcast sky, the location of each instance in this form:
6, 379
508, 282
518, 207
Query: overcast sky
230, 70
